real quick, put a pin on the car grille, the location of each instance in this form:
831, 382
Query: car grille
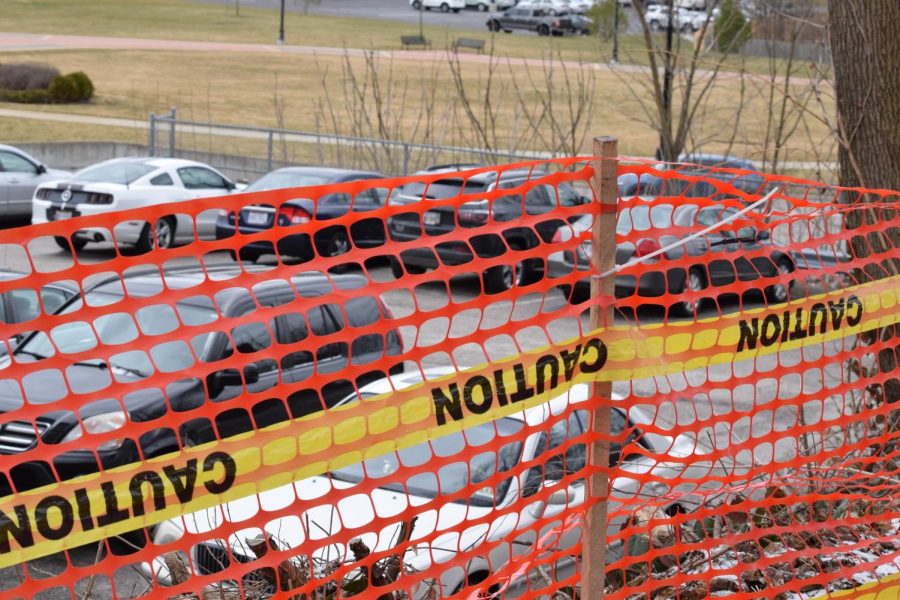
19, 436
211, 558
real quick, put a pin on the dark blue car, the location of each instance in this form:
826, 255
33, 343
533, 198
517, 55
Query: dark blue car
329, 241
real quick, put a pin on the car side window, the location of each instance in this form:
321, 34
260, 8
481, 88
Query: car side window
163, 179
539, 199
198, 178
11, 162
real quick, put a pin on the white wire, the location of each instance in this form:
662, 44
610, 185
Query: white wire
693, 236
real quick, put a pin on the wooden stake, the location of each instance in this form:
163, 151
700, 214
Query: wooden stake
603, 258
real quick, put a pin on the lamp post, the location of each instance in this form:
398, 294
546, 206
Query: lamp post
281, 25
421, 30
615, 52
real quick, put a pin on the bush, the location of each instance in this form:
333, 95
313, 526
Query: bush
603, 15
731, 29
26, 76
63, 89
25, 96
84, 84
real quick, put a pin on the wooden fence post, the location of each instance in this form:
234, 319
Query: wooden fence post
603, 240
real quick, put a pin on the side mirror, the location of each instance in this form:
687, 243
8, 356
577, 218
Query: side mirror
41, 169
251, 373
230, 185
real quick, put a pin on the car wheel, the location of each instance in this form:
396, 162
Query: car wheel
77, 243
165, 232
483, 8
417, 5
543, 30
780, 292
504, 277
249, 255
456, 10
655, 26
494, 25
696, 282
445, 7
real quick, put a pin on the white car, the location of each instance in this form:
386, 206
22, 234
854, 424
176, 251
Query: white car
20, 174
685, 21
443, 5
492, 5
550, 7
354, 510
123, 183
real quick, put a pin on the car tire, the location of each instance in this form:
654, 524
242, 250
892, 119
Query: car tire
504, 277
494, 25
543, 30
695, 282
482, 7
77, 243
781, 293
455, 10
165, 236
655, 26
507, 31
249, 255
445, 8
417, 5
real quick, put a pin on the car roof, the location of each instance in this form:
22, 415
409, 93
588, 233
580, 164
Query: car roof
153, 161
332, 173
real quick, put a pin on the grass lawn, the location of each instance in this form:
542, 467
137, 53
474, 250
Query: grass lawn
314, 91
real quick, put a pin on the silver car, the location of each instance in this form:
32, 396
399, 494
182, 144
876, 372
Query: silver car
20, 173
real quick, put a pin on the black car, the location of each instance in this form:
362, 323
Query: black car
698, 177
478, 212
330, 241
723, 256
223, 387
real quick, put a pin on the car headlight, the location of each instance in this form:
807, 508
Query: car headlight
100, 424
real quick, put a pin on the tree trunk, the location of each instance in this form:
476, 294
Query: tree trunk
865, 46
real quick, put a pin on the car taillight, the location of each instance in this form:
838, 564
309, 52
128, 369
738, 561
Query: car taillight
646, 247
472, 216
556, 23
292, 215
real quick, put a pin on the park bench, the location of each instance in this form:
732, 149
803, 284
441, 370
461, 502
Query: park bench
469, 43
414, 40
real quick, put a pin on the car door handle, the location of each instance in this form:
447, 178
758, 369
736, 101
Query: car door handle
14, 181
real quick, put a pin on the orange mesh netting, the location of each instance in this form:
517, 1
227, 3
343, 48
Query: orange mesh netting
384, 389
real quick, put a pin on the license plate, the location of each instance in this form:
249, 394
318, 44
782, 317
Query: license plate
432, 218
257, 218
62, 215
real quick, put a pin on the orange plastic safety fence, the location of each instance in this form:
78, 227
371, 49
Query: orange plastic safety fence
382, 389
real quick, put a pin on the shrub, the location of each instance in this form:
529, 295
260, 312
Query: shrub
26, 76
603, 15
63, 89
84, 84
25, 96
731, 28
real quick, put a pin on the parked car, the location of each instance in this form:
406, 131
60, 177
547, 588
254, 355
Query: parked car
492, 5
533, 19
662, 458
657, 17
720, 256
477, 212
443, 5
550, 7
145, 404
330, 241
702, 167
123, 183
20, 174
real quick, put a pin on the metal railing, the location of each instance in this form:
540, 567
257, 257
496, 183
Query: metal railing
406, 156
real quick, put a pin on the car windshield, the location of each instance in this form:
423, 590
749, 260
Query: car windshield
285, 179
120, 328
454, 476
641, 217
118, 172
